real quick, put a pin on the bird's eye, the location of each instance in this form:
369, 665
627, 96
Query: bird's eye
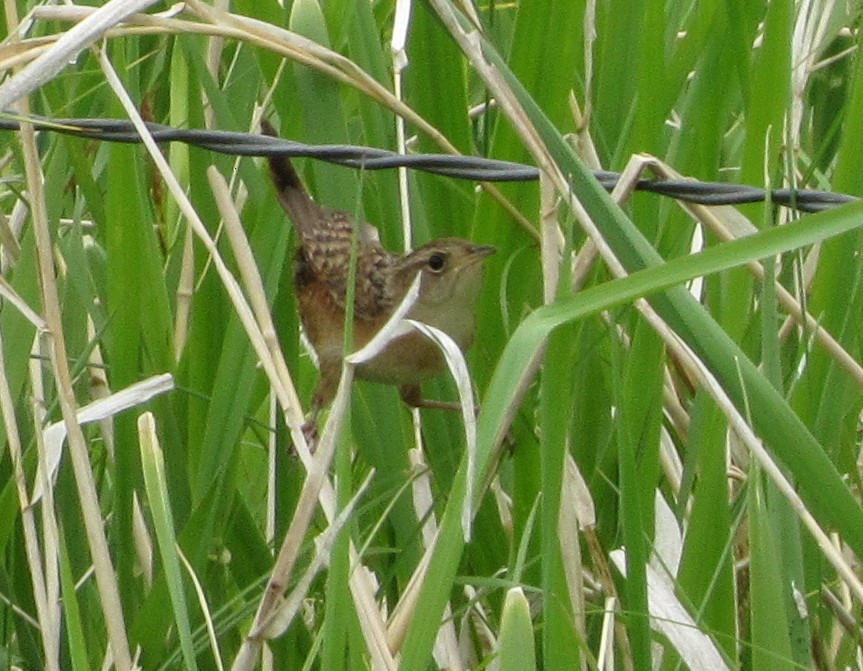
436, 262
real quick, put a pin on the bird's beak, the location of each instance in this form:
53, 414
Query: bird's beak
481, 251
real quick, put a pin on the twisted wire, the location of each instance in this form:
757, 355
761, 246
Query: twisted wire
461, 167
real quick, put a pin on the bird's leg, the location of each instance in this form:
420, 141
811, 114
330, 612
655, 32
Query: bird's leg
412, 396
323, 396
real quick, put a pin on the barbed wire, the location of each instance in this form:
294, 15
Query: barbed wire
460, 167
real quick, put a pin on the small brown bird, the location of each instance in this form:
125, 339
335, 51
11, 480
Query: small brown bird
451, 271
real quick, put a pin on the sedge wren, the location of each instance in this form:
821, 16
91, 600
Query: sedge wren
451, 271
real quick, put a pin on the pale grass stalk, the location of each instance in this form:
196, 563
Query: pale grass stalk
844, 592
827, 61
551, 239
19, 53
50, 644
106, 584
5, 161
669, 460
19, 612
285, 610
846, 625
67, 47
423, 499
503, 502
317, 486
266, 656
605, 658
256, 295
398, 51
231, 285
179, 160
10, 229
99, 390
277, 585
674, 410
582, 503
401, 21
371, 619
807, 43
310, 53
510, 106
363, 588
739, 425
14, 298
185, 292
728, 224
590, 33
205, 608
143, 542
576, 509
215, 46
288, 44
403, 613
363, 592
467, 8
260, 110
50, 527
583, 261
707, 380
446, 649
98, 385
272, 454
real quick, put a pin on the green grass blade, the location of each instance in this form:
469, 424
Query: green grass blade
153, 467
516, 635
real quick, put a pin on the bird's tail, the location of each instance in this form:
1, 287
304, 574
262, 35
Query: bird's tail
294, 198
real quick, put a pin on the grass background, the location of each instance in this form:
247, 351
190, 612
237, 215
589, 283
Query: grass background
619, 489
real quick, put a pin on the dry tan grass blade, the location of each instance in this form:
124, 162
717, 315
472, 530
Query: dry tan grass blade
67, 47
371, 619
106, 581
290, 45
38, 569
134, 395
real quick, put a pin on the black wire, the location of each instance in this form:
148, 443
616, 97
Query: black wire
461, 167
